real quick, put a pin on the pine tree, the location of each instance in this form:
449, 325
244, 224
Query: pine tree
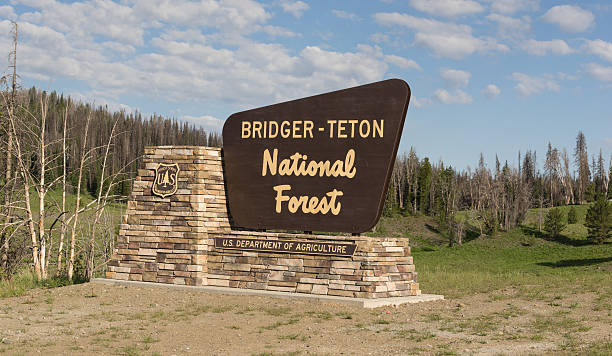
425, 176
581, 158
553, 223
599, 220
572, 215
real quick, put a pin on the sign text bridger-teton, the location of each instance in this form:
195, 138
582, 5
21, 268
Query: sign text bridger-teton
320, 163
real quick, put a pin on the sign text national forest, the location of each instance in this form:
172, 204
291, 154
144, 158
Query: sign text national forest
320, 163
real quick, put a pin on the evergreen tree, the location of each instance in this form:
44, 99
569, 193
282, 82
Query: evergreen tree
553, 222
425, 175
572, 216
599, 220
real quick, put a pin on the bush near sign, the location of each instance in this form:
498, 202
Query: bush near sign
321, 163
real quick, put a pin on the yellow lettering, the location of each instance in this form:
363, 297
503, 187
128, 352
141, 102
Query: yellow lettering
353, 122
308, 125
378, 128
296, 129
364, 132
273, 124
280, 198
269, 162
257, 128
341, 128
285, 129
308, 205
246, 129
331, 127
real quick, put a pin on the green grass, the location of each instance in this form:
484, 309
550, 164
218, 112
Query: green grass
492, 263
523, 257
25, 281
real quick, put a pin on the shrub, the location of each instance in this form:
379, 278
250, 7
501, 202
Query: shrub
599, 220
553, 222
572, 215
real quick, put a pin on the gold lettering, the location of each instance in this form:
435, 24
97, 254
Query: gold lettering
298, 165
273, 125
308, 205
341, 124
353, 122
364, 133
296, 129
280, 198
269, 162
257, 128
285, 129
308, 125
331, 127
378, 128
246, 129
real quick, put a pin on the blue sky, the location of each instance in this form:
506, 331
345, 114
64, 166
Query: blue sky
486, 76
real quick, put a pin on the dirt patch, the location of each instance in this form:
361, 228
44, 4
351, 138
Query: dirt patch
131, 320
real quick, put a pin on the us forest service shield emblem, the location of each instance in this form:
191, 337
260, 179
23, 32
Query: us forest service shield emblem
166, 179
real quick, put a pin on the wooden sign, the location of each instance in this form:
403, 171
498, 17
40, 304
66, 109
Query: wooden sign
166, 179
286, 246
321, 163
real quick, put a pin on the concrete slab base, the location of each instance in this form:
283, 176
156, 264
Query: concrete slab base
360, 302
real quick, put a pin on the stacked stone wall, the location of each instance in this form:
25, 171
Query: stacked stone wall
171, 240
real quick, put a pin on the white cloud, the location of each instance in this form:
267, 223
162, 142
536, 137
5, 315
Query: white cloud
379, 38
345, 15
295, 8
418, 23
187, 63
455, 78
459, 97
599, 72
510, 7
402, 62
447, 8
208, 122
7, 12
570, 18
528, 85
510, 27
444, 39
419, 102
600, 48
491, 91
542, 48
278, 31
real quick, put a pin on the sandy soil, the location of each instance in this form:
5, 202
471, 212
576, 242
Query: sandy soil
96, 318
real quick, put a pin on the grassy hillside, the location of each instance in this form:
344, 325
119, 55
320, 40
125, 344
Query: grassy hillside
523, 258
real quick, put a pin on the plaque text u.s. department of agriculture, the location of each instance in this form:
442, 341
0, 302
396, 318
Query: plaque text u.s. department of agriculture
287, 246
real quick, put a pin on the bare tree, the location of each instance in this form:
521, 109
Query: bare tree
75, 217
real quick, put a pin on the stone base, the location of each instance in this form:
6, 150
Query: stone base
360, 302
171, 240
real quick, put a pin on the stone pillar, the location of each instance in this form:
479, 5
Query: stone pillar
165, 239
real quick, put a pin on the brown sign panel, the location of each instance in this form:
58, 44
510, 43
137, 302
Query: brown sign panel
166, 179
286, 246
320, 163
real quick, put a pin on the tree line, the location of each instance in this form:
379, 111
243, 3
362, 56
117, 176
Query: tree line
497, 198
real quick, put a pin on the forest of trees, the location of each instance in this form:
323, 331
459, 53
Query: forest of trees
498, 198
63, 161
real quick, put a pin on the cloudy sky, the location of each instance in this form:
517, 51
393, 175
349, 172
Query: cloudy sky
492, 76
